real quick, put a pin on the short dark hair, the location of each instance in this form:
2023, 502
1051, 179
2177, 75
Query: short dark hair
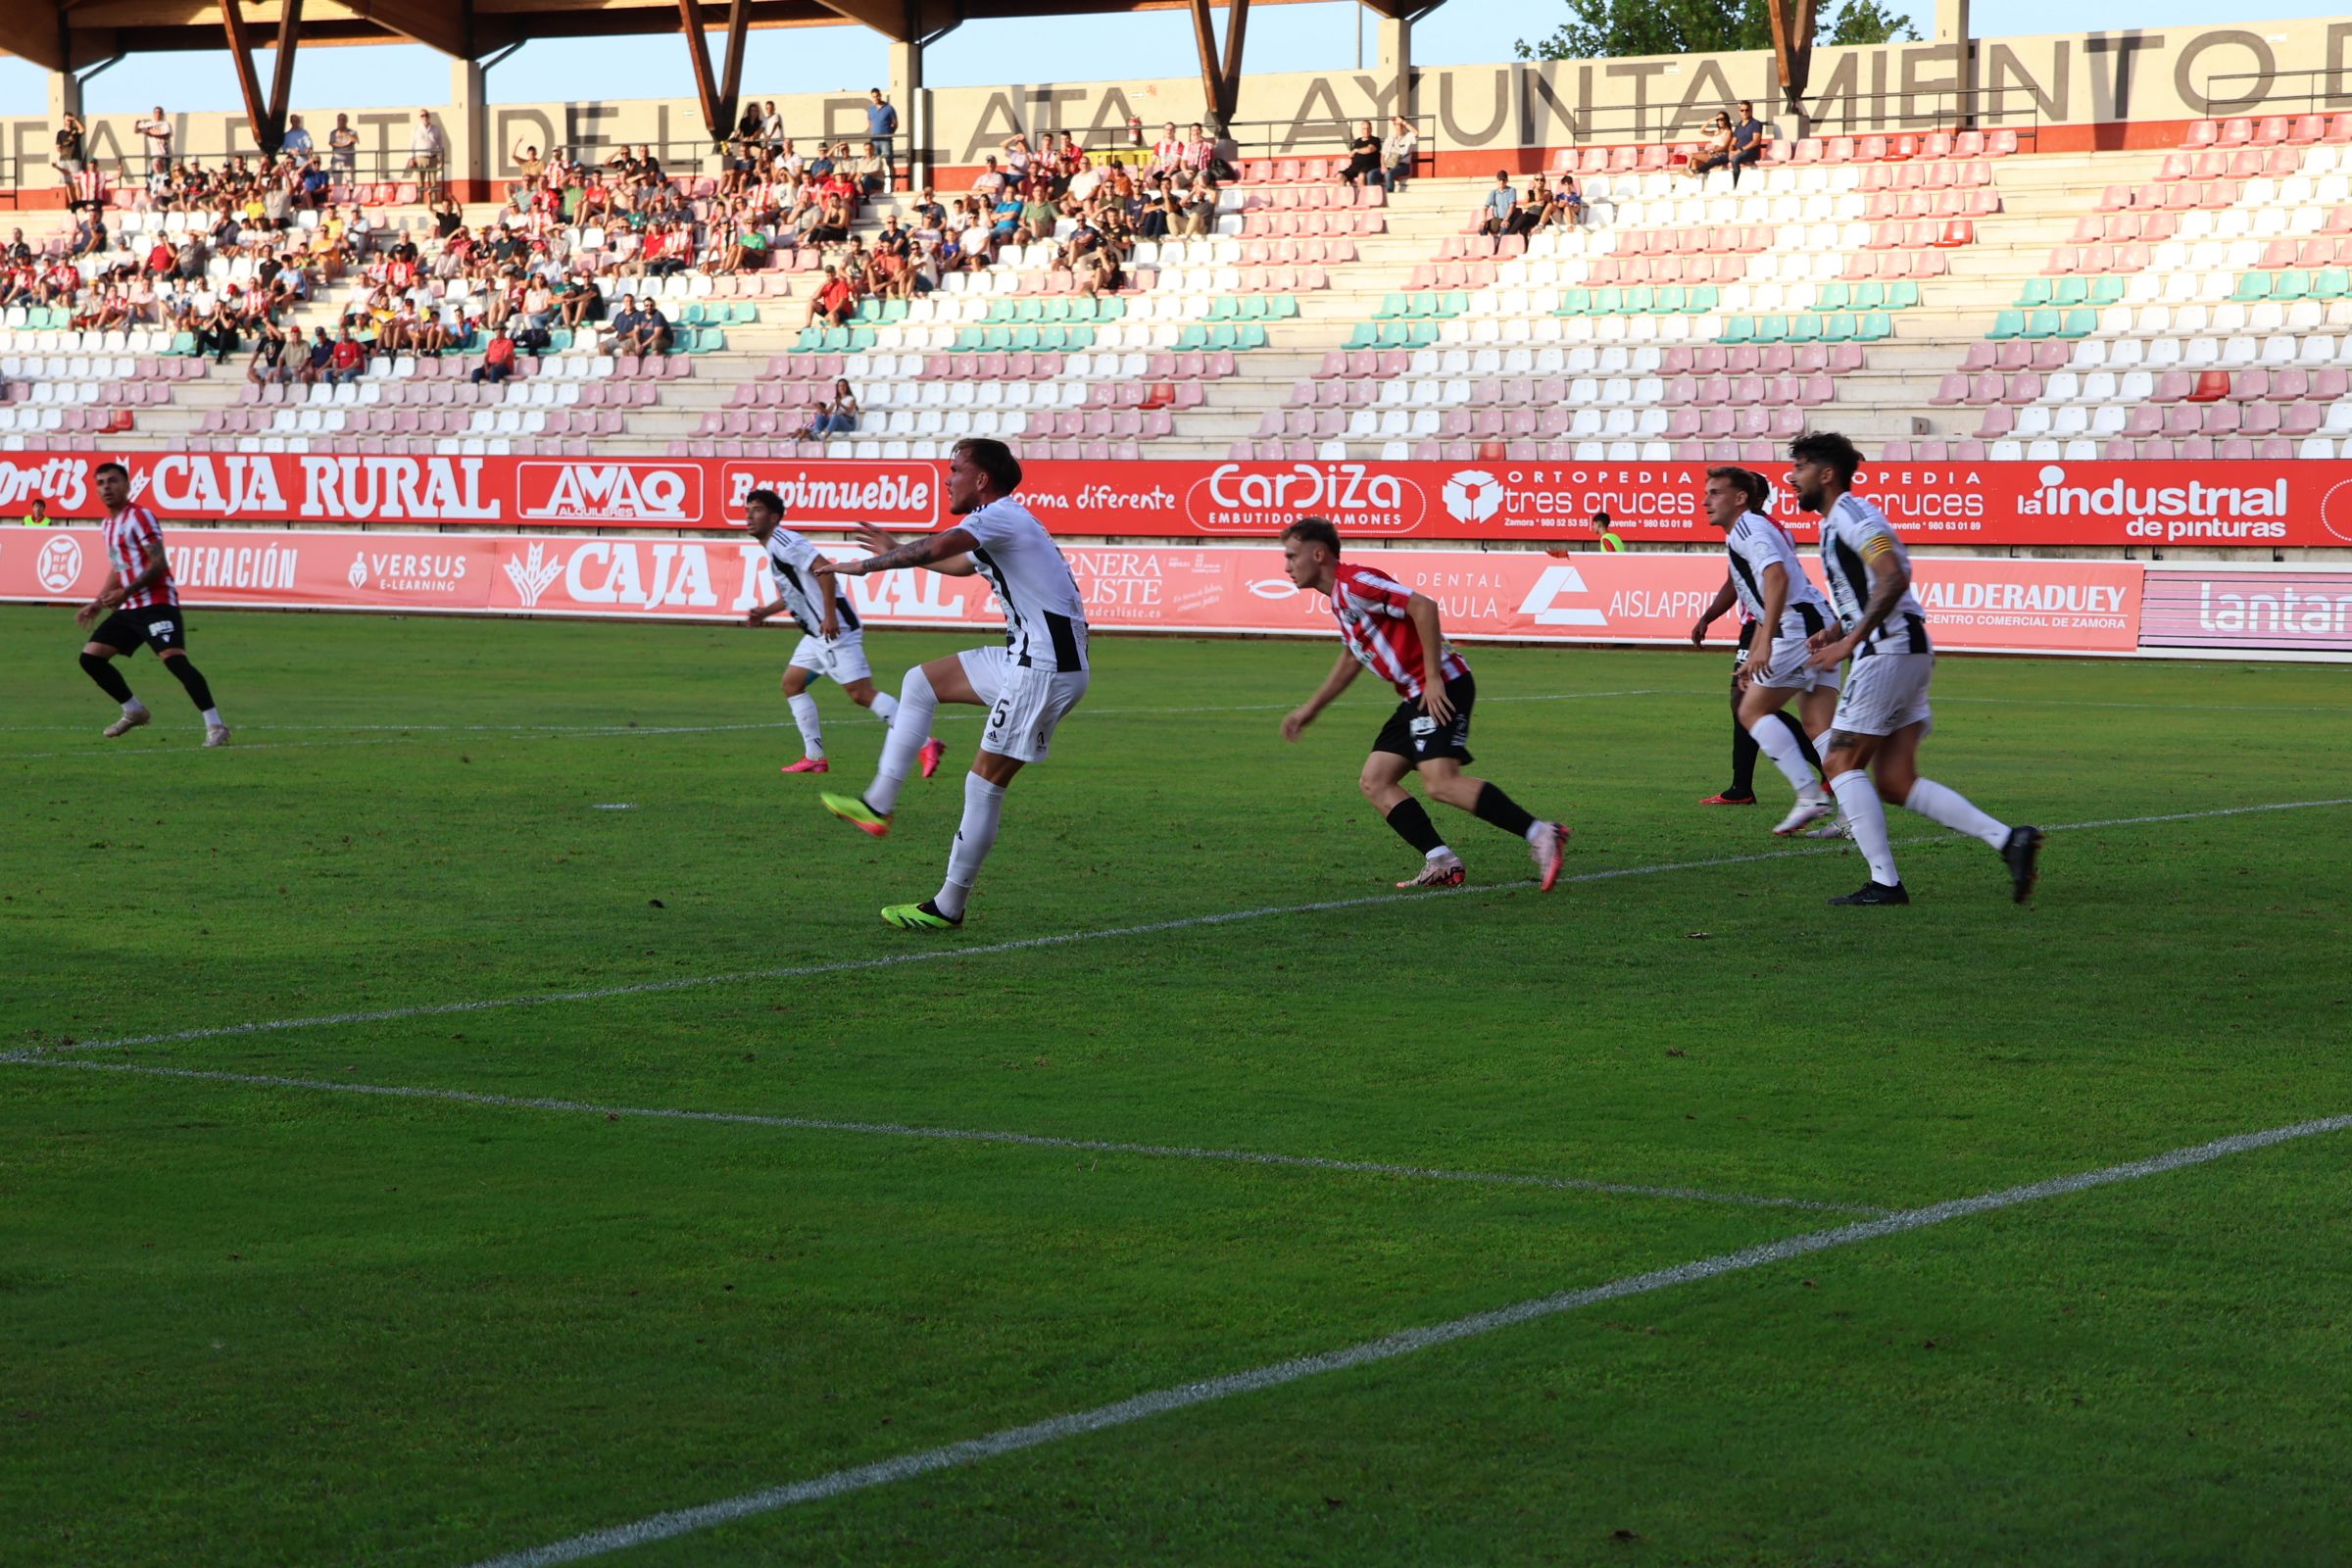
104, 467
1829, 448
1314, 531
993, 459
765, 498
1746, 481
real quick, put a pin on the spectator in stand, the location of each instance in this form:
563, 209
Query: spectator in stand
832, 225
1500, 206
38, 517
771, 130
1714, 149
317, 359
837, 418
881, 135
1567, 203
1363, 157
1532, 209
89, 234
348, 360
990, 183
216, 333
1200, 209
296, 143
314, 185
1038, 214
497, 359
343, 151
1405, 150
1097, 273
643, 332
833, 300
158, 134
428, 150
70, 136
930, 218
1751, 140
1168, 153
86, 190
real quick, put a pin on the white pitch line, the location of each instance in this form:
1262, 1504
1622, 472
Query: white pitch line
1388, 1347
1072, 938
959, 1135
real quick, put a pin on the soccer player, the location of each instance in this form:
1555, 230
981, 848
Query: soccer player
1395, 632
1883, 715
1742, 788
1029, 685
1784, 609
140, 606
833, 640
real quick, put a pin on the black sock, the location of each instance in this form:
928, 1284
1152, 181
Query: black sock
110, 679
1804, 741
194, 679
1412, 824
1505, 813
1744, 760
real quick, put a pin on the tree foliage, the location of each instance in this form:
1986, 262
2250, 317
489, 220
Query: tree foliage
1603, 29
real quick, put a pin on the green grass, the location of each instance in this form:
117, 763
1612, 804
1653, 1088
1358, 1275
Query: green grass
271, 1324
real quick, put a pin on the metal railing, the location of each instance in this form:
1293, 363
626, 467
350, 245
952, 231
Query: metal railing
2325, 92
1891, 112
1258, 140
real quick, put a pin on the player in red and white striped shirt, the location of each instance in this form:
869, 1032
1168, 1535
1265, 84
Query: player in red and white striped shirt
1395, 632
140, 606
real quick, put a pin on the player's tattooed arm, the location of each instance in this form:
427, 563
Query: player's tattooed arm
947, 553
1890, 580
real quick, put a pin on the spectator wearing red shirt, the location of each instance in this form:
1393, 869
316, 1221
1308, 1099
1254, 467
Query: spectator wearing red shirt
498, 360
834, 300
347, 361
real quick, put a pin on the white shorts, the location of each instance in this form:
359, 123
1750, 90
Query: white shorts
1024, 704
841, 661
1792, 669
1883, 693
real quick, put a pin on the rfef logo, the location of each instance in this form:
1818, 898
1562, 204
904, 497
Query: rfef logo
1472, 496
608, 492
59, 564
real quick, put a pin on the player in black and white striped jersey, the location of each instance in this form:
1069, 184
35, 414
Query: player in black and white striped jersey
1028, 685
832, 642
1883, 715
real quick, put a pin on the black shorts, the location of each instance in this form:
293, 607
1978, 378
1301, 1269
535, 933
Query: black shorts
1414, 736
1747, 640
159, 627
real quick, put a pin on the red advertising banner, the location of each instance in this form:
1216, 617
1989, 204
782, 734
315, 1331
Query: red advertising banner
2040, 606
2090, 505
2225, 606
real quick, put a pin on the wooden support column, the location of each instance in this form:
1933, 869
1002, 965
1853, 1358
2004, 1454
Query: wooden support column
1220, 78
1793, 23
718, 93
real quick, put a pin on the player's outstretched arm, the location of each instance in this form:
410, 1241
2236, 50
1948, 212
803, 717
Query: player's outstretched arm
949, 553
1715, 610
1298, 719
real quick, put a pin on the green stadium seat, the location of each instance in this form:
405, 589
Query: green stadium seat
1839, 327
2331, 283
1453, 302
1057, 309
1876, 327
1832, 297
1673, 299
1772, 328
1252, 335
812, 340
691, 316
2043, 322
558, 339
1640, 299
2067, 292
1392, 307
184, 343
1868, 296
2252, 288
1804, 328
1080, 336
1221, 307
1417, 334
1738, 329
968, 338
2107, 290
860, 341
839, 338
1705, 298
1030, 312
1902, 296
1362, 335
1195, 337
2079, 323
2035, 292
2007, 324
1111, 310
1608, 301
1282, 306
998, 339
1222, 338
1576, 302
1254, 306
2290, 286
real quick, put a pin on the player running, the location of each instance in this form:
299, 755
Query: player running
1029, 685
1883, 715
833, 644
1780, 602
1395, 632
141, 606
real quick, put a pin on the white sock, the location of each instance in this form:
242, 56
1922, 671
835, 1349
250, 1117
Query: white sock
1441, 853
812, 733
214, 721
884, 707
1776, 742
975, 836
133, 708
1953, 810
1866, 817
1537, 831
909, 727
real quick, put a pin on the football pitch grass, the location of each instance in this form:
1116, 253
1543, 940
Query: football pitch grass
607, 1160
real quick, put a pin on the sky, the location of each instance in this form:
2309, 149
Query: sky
1282, 38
